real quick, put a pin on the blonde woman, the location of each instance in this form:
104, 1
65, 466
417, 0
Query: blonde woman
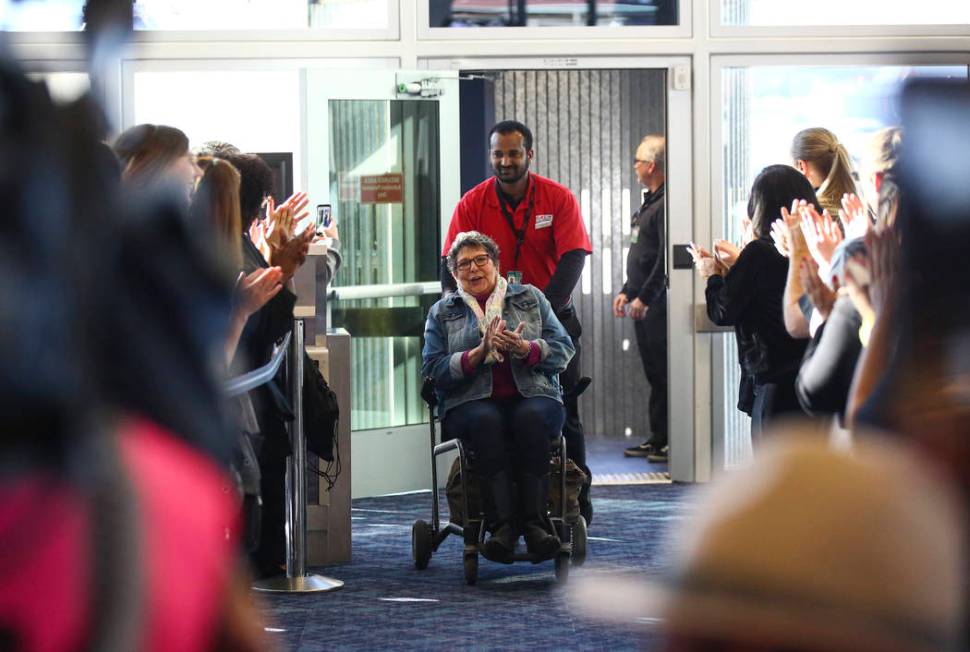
825, 162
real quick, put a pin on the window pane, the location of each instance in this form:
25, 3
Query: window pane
385, 187
214, 15
762, 108
841, 12
257, 111
41, 15
261, 14
551, 13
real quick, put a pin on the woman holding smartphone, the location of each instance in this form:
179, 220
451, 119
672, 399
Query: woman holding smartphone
745, 291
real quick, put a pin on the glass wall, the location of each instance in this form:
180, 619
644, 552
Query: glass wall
384, 183
190, 15
551, 13
762, 108
255, 110
842, 13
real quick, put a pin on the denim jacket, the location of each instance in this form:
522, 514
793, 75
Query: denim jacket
452, 328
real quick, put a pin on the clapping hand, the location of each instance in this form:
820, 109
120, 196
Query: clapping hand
883, 248
781, 236
822, 234
491, 338
819, 294
254, 290
726, 252
855, 218
282, 220
511, 341
291, 252
795, 239
705, 261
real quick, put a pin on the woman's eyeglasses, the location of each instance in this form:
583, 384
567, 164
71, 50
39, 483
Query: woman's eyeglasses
480, 262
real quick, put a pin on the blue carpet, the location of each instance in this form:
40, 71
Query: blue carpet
517, 607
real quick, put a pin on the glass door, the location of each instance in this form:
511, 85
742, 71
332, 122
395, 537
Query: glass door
382, 150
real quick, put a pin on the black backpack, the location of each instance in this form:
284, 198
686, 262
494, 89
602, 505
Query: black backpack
320, 411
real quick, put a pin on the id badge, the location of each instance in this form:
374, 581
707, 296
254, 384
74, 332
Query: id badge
634, 235
514, 277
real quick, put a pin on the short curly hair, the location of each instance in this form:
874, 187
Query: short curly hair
471, 239
256, 184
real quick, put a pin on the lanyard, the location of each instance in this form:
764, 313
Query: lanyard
510, 218
648, 201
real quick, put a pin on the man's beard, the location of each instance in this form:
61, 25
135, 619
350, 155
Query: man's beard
519, 174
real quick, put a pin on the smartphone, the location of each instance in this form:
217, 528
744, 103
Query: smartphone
324, 216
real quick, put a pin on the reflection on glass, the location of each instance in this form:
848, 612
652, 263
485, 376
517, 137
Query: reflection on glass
840, 12
762, 109
384, 185
66, 15
551, 13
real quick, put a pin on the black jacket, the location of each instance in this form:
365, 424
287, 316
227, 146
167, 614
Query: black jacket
260, 335
269, 324
646, 269
750, 299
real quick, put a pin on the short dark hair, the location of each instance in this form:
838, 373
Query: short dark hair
471, 239
776, 187
256, 182
217, 149
511, 127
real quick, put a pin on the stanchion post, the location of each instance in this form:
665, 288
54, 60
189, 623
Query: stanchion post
296, 462
296, 580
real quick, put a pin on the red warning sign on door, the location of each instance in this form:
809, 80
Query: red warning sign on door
382, 188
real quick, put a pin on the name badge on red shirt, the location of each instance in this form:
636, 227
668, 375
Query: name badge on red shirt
543, 221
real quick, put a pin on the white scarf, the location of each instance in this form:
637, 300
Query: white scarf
493, 309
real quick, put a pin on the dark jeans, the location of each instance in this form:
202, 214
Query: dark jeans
573, 428
771, 401
512, 434
651, 332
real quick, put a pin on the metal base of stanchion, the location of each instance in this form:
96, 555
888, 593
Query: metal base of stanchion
305, 584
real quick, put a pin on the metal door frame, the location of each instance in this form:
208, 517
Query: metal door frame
690, 449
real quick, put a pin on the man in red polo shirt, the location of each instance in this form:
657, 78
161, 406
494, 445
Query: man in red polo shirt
543, 241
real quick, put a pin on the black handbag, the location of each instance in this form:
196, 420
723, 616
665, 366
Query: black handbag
320, 411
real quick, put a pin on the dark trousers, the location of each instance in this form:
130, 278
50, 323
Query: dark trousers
651, 333
270, 552
573, 428
510, 434
771, 401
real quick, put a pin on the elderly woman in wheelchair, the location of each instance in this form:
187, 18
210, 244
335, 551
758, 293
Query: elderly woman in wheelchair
494, 350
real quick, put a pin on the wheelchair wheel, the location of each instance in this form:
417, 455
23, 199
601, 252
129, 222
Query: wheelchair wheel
471, 568
421, 547
562, 567
579, 542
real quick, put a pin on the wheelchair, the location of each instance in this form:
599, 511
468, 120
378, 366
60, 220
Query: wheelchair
427, 537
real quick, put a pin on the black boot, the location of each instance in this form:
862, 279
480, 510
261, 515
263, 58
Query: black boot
585, 504
499, 511
533, 496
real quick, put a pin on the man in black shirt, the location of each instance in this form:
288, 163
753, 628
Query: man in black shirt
644, 295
